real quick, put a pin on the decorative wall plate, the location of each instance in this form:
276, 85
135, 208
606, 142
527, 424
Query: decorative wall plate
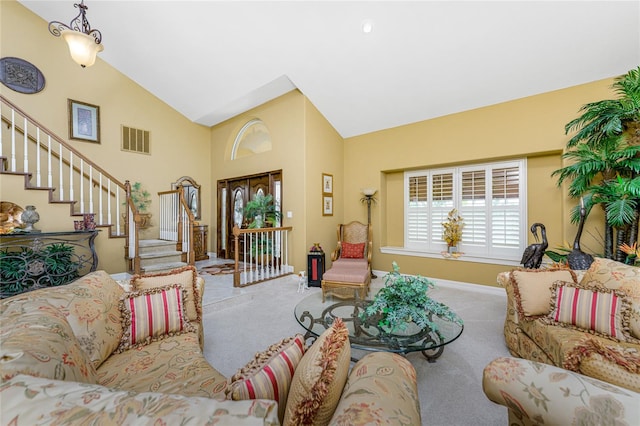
20, 75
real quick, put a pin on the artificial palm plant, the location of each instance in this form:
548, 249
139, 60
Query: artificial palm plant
611, 117
605, 155
262, 210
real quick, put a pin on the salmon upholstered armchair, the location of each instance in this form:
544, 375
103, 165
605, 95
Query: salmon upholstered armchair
350, 273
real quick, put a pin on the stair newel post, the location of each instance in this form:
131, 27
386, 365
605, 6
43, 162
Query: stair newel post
125, 217
236, 269
131, 220
180, 224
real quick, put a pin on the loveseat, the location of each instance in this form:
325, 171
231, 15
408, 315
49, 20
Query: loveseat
92, 353
583, 321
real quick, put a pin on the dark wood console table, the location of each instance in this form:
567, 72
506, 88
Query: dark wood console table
200, 235
33, 260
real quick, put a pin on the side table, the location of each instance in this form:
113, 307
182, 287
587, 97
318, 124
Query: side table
315, 268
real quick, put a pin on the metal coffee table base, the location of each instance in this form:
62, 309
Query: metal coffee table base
368, 335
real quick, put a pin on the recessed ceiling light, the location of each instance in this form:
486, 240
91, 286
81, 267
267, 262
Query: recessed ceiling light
367, 26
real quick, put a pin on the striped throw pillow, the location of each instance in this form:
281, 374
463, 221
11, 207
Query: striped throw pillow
151, 315
269, 374
600, 311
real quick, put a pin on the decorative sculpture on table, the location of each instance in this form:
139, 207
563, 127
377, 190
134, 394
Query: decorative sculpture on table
532, 256
29, 217
578, 259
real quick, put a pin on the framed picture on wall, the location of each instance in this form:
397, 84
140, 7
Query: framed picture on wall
327, 205
84, 121
327, 184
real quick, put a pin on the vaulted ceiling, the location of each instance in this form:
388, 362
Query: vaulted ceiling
212, 60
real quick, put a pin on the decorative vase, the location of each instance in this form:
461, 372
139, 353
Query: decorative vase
316, 248
29, 217
89, 221
452, 249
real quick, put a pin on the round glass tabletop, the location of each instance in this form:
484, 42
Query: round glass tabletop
316, 316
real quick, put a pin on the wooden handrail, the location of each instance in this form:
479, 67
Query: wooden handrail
240, 231
55, 155
62, 142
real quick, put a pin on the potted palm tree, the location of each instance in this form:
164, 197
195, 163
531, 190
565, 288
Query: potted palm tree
605, 155
262, 212
141, 199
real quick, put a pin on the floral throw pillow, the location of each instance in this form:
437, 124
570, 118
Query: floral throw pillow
38, 341
151, 315
616, 275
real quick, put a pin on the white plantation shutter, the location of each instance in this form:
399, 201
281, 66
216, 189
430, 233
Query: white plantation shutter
490, 198
473, 208
506, 221
441, 204
417, 217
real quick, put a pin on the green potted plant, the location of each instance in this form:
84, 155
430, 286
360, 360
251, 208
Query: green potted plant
261, 211
52, 266
141, 199
404, 299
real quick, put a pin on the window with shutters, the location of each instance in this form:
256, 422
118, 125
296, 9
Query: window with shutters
490, 197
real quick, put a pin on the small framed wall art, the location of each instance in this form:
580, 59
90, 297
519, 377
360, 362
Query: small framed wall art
327, 205
84, 121
327, 184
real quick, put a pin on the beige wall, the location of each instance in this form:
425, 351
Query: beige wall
324, 155
532, 127
179, 147
284, 117
304, 146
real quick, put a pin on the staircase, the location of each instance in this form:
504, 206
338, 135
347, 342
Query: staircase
158, 256
48, 163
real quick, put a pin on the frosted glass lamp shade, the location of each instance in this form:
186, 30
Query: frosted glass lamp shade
369, 191
82, 47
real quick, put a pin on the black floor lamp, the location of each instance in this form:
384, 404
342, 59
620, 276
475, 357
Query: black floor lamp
369, 199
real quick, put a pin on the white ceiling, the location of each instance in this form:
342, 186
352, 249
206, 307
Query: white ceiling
212, 60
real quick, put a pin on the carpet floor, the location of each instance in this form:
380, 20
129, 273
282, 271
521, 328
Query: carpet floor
450, 389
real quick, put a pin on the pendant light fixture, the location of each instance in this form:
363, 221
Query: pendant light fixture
84, 43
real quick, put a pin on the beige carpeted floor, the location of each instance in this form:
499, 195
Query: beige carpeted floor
240, 322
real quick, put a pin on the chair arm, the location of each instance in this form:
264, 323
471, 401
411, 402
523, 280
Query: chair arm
537, 393
335, 255
381, 389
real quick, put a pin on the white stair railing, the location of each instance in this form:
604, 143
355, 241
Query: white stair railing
264, 253
44, 155
176, 222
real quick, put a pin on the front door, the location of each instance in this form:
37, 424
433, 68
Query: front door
233, 195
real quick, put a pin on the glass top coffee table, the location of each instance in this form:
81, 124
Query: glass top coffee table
316, 316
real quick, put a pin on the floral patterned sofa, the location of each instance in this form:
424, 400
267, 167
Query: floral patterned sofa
541, 394
92, 353
583, 321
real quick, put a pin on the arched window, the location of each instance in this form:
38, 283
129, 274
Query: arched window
253, 138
